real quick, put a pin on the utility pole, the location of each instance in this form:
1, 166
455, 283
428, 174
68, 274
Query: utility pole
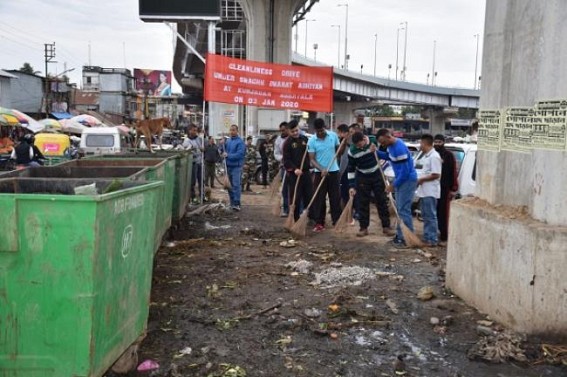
375, 51
477, 36
346, 35
49, 56
405, 50
397, 52
433, 73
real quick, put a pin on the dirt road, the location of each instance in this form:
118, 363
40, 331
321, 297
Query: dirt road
230, 299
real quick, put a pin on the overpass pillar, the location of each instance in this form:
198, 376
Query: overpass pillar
269, 39
506, 252
436, 121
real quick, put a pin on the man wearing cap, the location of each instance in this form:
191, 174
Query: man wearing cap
449, 186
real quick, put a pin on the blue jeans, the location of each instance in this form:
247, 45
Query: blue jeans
404, 197
429, 215
234, 176
285, 192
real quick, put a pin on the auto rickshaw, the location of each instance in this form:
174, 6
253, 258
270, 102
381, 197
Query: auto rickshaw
55, 147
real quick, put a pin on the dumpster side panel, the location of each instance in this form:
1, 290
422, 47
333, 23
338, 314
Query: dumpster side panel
123, 273
46, 290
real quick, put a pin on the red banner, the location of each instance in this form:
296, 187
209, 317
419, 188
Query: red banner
282, 86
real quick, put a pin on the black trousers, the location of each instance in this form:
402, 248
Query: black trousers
210, 174
366, 186
331, 188
443, 214
265, 172
304, 191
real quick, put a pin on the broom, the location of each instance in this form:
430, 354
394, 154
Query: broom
226, 182
346, 216
300, 227
291, 216
411, 239
276, 205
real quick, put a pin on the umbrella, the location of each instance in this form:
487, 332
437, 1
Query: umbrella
87, 120
8, 117
28, 122
8, 120
72, 126
51, 124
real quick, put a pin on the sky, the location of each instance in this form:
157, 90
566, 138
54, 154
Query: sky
118, 38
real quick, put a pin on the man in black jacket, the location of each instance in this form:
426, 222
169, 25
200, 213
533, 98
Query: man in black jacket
449, 186
212, 156
294, 149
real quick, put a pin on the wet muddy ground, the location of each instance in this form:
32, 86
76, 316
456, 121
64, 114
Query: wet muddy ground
229, 299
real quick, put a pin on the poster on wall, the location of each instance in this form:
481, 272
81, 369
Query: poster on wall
489, 130
266, 85
157, 83
517, 129
549, 121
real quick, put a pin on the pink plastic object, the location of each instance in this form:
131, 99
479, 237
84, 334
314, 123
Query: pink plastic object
148, 365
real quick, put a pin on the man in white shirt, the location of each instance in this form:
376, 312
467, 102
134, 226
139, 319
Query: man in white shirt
429, 189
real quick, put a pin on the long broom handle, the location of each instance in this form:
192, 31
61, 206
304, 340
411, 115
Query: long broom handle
386, 184
323, 180
298, 178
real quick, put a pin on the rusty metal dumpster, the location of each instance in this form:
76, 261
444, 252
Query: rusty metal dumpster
75, 274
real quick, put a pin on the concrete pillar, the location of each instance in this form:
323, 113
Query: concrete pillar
507, 257
259, 30
436, 121
344, 111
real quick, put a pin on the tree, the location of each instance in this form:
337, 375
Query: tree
27, 68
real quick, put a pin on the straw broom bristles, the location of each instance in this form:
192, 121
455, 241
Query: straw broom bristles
226, 182
346, 216
276, 206
291, 215
299, 228
409, 237
275, 185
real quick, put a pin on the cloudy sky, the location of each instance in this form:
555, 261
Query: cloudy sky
117, 37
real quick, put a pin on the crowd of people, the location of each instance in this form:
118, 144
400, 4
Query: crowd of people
331, 167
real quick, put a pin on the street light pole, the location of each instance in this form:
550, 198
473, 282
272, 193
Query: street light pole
433, 73
375, 51
405, 50
296, 36
306, 23
339, 49
477, 36
397, 52
315, 47
346, 34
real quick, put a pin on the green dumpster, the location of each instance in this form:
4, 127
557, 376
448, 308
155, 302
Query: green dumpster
156, 169
75, 274
183, 168
63, 171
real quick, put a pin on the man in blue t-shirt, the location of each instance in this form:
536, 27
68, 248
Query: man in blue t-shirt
405, 182
322, 149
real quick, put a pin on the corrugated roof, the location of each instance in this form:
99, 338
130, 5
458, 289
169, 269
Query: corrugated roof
6, 74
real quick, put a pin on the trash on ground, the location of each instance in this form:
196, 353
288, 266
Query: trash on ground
148, 365
499, 348
301, 266
312, 313
392, 305
185, 351
425, 293
345, 276
434, 321
208, 226
485, 323
288, 243
207, 208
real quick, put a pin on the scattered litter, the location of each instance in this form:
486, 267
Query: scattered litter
312, 313
185, 351
392, 305
416, 260
86, 190
284, 342
485, 323
170, 244
447, 320
208, 226
229, 370
425, 294
441, 330
147, 365
288, 243
381, 274
301, 266
362, 341
334, 308
434, 321
207, 208
334, 335
484, 330
554, 354
499, 348
345, 276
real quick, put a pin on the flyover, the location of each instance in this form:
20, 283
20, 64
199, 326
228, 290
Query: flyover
261, 30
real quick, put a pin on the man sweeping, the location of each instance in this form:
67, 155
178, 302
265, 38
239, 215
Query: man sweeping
293, 154
405, 182
364, 178
235, 151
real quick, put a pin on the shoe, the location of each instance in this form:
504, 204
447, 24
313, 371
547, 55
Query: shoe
362, 233
430, 244
236, 208
284, 214
388, 231
353, 222
319, 228
398, 244
442, 243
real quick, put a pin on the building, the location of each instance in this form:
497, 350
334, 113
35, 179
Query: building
5, 88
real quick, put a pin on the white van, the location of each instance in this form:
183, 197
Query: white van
102, 140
